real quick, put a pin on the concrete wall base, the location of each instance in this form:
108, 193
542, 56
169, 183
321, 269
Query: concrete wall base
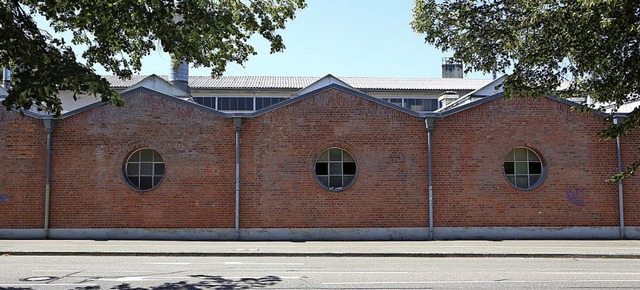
319, 234
632, 233
263, 234
524, 233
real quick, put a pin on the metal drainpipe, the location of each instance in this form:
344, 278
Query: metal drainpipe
48, 127
237, 123
429, 122
620, 195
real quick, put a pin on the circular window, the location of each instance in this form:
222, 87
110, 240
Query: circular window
144, 169
523, 168
335, 169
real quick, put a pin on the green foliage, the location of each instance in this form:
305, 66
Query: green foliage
587, 47
117, 34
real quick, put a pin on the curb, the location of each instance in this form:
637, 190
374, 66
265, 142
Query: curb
422, 255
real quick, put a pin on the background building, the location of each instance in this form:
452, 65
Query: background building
306, 158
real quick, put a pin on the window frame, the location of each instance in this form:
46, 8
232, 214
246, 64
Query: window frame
139, 162
255, 102
329, 162
531, 185
407, 102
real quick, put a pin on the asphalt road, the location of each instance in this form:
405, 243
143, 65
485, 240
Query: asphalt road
81, 272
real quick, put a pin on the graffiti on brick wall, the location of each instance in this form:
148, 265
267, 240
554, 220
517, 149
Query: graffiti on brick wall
576, 197
3, 198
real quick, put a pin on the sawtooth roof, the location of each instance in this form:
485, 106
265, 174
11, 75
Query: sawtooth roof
279, 82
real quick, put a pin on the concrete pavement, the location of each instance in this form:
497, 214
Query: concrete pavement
628, 249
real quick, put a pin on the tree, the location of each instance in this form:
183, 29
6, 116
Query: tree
593, 46
117, 34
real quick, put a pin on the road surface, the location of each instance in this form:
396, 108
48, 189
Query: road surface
81, 272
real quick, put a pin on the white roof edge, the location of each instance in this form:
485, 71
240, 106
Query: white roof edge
484, 91
158, 84
488, 89
323, 82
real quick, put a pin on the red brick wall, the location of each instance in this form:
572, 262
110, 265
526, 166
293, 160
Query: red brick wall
280, 147
630, 144
278, 152
23, 148
469, 149
88, 187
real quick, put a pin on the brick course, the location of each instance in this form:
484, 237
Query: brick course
280, 147
469, 149
23, 147
89, 189
630, 145
278, 150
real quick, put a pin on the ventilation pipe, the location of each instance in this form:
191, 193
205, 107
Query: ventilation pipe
237, 123
429, 122
620, 195
6, 78
48, 127
180, 77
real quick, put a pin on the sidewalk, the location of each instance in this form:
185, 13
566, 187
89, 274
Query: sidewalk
531, 248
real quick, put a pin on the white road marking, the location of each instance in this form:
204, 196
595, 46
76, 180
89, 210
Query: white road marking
53, 270
344, 272
48, 285
182, 263
189, 278
592, 273
101, 271
471, 282
279, 277
255, 263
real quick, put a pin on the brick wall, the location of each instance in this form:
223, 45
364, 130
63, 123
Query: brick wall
88, 187
630, 144
23, 147
280, 147
278, 152
469, 149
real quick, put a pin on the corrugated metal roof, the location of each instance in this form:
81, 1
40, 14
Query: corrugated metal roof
277, 82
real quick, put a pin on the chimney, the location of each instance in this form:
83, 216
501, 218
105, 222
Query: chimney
6, 78
451, 69
180, 77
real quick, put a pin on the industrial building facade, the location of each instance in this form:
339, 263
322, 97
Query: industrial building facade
330, 163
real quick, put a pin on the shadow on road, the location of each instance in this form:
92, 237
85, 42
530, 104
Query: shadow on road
203, 282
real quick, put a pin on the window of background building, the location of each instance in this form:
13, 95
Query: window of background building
523, 168
335, 169
395, 101
238, 103
262, 103
235, 104
144, 169
421, 105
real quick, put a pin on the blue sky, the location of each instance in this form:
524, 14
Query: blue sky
340, 37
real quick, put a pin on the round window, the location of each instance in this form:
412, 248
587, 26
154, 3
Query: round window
335, 169
523, 168
144, 169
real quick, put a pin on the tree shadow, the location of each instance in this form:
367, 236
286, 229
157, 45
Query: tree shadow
203, 282
209, 282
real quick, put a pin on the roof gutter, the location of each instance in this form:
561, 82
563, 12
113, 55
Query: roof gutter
48, 127
620, 195
429, 123
237, 124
